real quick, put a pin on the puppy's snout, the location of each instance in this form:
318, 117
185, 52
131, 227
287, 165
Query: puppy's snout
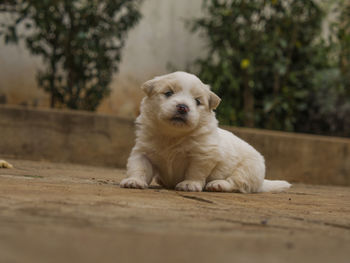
182, 108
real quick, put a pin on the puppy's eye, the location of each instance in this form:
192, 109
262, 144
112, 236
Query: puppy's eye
168, 94
198, 101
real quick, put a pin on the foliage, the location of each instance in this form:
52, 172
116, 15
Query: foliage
267, 61
343, 34
329, 108
80, 42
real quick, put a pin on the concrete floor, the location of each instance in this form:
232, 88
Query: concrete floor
51, 212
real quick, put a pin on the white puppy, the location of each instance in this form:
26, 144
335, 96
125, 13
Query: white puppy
179, 143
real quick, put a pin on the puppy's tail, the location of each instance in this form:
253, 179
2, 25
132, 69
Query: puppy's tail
274, 186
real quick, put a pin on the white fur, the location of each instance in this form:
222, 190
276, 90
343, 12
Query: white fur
195, 154
4, 164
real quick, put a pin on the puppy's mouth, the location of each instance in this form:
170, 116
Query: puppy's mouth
178, 119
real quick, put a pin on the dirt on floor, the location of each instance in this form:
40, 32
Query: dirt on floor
54, 212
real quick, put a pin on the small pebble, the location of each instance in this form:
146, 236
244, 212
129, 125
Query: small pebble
264, 222
290, 245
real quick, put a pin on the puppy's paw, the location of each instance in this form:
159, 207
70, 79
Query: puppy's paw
4, 164
189, 186
218, 186
133, 183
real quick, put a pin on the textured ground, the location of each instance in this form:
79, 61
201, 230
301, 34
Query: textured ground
52, 212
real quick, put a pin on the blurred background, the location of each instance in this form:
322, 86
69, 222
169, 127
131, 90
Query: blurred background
280, 65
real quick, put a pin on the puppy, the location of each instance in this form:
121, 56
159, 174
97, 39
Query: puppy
178, 143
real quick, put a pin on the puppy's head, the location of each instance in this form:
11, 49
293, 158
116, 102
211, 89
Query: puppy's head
178, 102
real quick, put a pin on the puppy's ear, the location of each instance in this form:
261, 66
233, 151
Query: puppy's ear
148, 87
214, 100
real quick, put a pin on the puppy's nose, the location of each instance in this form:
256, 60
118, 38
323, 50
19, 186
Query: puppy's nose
182, 108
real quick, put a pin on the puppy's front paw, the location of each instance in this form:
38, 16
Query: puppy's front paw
218, 186
189, 186
133, 183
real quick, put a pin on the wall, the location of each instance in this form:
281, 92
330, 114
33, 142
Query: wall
87, 138
65, 136
159, 42
301, 157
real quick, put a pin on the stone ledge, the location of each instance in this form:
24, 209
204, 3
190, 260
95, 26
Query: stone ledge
95, 139
65, 136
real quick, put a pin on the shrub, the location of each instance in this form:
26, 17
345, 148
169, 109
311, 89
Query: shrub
80, 42
329, 105
266, 59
